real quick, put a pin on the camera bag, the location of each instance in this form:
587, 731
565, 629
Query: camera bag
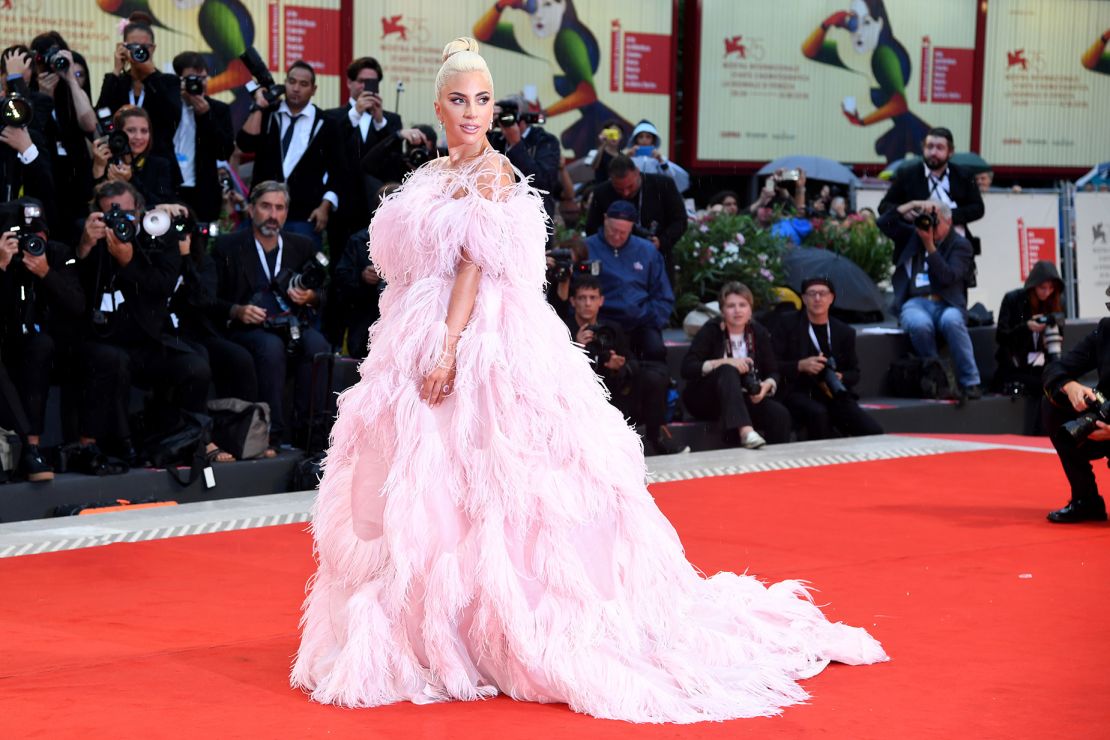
916, 377
187, 445
239, 427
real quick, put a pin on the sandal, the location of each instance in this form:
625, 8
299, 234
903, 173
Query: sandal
213, 454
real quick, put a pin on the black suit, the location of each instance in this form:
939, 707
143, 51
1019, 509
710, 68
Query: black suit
358, 297
803, 393
911, 183
306, 181
659, 204
358, 188
1091, 354
214, 141
162, 101
539, 155
719, 394
154, 179
241, 278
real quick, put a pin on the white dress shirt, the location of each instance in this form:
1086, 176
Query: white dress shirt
363, 121
185, 146
298, 145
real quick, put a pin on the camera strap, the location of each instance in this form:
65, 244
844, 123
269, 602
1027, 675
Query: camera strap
813, 338
265, 263
142, 96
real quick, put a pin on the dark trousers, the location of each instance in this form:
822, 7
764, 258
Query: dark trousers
823, 417
233, 373
719, 395
358, 336
12, 414
642, 397
272, 362
1075, 459
178, 376
30, 360
647, 343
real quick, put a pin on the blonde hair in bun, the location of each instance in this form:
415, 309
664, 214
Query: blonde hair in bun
461, 55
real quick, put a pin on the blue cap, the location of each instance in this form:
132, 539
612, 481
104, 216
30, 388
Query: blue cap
622, 209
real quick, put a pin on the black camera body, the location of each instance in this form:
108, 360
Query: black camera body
565, 268
600, 349
139, 53
1051, 319
1079, 429
254, 64
832, 385
52, 59
750, 381
120, 146
288, 327
15, 111
415, 156
193, 84
925, 221
24, 220
124, 225
312, 276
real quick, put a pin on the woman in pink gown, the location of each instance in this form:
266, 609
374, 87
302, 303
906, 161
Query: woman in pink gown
482, 524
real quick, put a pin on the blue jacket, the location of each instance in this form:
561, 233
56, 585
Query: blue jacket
634, 283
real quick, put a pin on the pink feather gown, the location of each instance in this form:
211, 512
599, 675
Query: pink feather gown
505, 541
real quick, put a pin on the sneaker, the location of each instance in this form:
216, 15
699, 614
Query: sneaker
33, 467
753, 441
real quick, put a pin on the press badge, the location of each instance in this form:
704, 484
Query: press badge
109, 301
921, 280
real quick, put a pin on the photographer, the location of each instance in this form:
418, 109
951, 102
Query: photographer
259, 271
1078, 445
569, 258
395, 156
731, 374
1030, 334
135, 80
296, 144
25, 155
202, 138
533, 151
637, 389
662, 213
932, 263
41, 301
359, 287
128, 277
125, 156
634, 280
645, 147
818, 364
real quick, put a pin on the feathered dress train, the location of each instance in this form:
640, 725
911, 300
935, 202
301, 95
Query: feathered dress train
505, 541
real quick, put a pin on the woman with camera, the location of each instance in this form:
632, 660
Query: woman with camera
125, 155
731, 373
135, 80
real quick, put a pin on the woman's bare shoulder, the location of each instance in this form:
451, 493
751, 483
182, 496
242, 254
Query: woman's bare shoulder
494, 175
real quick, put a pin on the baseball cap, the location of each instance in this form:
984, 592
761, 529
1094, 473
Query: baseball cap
622, 209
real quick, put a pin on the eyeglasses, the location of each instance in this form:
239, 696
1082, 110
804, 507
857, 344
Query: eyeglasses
817, 293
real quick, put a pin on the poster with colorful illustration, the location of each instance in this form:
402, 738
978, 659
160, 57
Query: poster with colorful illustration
1046, 83
220, 29
852, 80
581, 63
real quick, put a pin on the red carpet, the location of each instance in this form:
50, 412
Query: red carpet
192, 637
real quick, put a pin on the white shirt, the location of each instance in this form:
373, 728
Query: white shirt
185, 146
298, 145
362, 121
938, 190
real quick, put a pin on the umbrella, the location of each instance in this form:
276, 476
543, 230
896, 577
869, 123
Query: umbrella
855, 291
581, 170
1099, 175
893, 167
971, 162
817, 168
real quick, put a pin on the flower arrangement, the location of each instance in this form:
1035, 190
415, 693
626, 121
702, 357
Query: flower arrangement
858, 238
718, 248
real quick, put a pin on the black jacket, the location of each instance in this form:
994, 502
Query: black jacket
539, 155
709, 344
34, 180
621, 346
1092, 353
306, 184
154, 179
358, 296
162, 100
146, 283
358, 187
949, 265
236, 256
53, 303
911, 183
1015, 340
793, 343
214, 141
658, 201
194, 300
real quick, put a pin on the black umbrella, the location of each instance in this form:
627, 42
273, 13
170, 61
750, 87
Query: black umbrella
855, 291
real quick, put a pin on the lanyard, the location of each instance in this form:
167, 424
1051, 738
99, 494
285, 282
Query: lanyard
265, 264
142, 96
813, 336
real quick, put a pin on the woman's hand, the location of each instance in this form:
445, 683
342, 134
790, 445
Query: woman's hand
440, 382
743, 364
1079, 395
1035, 326
121, 171
764, 390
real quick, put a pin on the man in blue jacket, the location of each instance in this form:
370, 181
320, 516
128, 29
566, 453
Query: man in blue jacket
638, 295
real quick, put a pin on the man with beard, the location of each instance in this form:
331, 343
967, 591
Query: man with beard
265, 312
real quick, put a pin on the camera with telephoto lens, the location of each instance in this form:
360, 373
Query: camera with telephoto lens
1079, 429
751, 382
925, 221
140, 53
193, 84
832, 385
15, 111
121, 223
24, 220
417, 155
52, 59
254, 64
312, 276
1053, 338
565, 267
600, 349
288, 327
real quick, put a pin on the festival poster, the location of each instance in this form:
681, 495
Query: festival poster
1046, 83
583, 63
852, 80
1092, 252
221, 29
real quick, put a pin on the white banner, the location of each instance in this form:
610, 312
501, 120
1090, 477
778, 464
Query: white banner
1092, 252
